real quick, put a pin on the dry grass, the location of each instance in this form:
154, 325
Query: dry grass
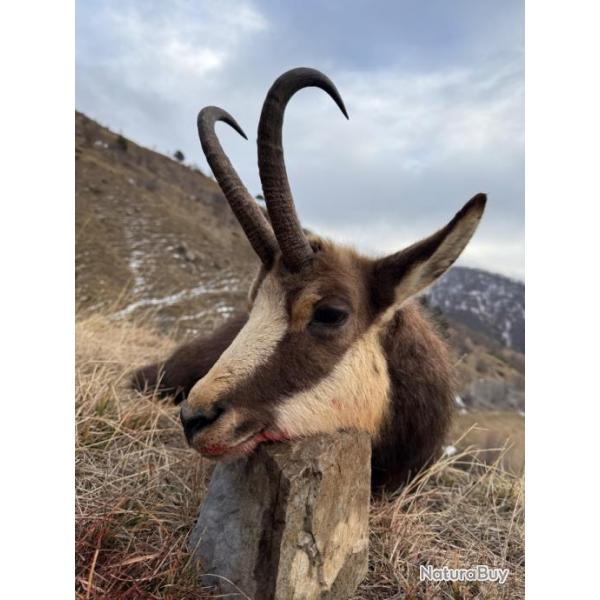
496, 438
458, 515
139, 488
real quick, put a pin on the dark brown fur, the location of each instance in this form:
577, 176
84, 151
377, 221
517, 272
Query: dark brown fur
422, 399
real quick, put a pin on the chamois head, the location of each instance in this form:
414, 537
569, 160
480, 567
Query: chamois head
310, 357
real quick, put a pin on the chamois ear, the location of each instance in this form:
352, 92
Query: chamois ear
405, 273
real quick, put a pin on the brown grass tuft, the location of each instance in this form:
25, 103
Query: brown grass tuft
139, 488
458, 514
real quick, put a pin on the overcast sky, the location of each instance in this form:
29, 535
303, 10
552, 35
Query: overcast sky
434, 90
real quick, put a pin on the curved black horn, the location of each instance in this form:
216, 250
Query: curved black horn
294, 246
251, 218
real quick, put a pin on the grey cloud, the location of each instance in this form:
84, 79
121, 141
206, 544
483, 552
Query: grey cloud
435, 95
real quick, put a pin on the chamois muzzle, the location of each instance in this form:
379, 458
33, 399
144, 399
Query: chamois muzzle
194, 420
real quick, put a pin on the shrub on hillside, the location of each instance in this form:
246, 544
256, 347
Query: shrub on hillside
121, 143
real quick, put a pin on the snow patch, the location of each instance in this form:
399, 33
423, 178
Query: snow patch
449, 451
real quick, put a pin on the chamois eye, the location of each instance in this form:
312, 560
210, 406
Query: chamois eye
329, 316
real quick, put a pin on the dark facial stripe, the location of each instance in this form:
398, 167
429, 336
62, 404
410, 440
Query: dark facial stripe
297, 364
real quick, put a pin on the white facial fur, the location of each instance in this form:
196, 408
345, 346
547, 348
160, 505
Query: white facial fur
355, 394
253, 346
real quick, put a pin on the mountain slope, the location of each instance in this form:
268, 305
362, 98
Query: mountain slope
485, 302
154, 234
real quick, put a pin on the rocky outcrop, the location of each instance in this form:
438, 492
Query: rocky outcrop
288, 522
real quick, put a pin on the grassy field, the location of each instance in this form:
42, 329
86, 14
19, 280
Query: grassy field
491, 438
139, 488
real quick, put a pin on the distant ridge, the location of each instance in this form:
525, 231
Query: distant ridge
486, 302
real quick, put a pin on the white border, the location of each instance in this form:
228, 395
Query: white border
37, 250
562, 224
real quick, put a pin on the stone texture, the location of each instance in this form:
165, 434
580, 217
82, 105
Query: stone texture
288, 522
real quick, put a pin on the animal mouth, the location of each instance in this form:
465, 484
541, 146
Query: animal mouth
242, 448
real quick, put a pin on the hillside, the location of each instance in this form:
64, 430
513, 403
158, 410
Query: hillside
154, 234
157, 238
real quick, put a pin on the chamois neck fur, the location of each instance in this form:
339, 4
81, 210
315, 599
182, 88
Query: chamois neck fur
422, 397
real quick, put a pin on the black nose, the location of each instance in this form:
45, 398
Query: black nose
193, 420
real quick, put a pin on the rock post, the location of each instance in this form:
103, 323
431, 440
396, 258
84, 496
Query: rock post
289, 522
